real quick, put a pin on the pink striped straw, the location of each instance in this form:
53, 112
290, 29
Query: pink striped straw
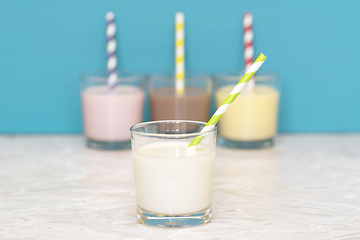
248, 46
111, 50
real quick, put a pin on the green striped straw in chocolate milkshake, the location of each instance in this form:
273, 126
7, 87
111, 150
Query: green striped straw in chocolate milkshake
230, 99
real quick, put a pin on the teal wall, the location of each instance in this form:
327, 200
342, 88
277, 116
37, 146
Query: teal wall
46, 45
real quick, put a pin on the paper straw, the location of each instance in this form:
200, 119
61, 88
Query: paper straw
179, 53
111, 49
230, 99
248, 46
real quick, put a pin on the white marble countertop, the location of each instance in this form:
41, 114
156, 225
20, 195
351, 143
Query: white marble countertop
307, 187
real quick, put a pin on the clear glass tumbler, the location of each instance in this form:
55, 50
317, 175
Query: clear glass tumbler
109, 114
251, 120
194, 104
173, 185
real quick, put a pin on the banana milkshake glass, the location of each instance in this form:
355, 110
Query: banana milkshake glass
251, 121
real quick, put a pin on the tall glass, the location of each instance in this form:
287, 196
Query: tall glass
173, 185
194, 104
109, 114
251, 120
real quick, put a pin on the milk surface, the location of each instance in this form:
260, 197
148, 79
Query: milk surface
252, 116
109, 116
170, 181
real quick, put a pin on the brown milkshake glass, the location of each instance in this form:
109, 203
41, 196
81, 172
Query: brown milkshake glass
167, 104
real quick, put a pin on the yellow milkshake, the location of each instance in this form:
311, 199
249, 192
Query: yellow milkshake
252, 116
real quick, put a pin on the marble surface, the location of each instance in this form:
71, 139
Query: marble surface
307, 187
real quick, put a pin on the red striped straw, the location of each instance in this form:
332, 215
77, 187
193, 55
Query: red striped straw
248, 46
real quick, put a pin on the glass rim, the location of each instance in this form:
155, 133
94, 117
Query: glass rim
261, 75
101, 76
170, 136
190, 75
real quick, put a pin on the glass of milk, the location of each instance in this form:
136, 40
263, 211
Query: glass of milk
173, 185
166, 104
251, 120
108, 115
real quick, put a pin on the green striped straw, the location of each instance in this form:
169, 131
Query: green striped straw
230, 99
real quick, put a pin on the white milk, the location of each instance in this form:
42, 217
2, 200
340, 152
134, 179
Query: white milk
169, 181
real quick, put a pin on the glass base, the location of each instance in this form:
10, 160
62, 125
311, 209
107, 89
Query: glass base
246, 144
99, 145
177, 221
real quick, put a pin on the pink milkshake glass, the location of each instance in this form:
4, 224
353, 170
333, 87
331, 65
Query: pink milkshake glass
108, 115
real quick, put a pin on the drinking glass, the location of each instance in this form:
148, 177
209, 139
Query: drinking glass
251, 120
109, 114
174, 185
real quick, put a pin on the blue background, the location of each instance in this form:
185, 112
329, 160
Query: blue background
46, 45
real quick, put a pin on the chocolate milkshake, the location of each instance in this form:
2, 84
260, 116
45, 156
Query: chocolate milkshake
194, 104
